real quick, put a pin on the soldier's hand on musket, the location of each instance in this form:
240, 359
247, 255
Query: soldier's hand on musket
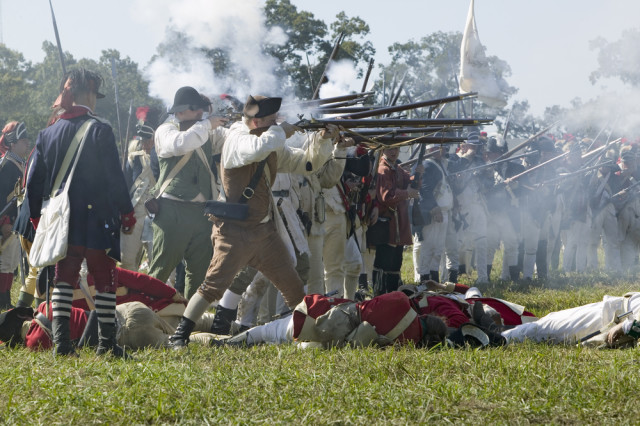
217, 121
419, 169
289, 129
345, 142
330, 132
615, 334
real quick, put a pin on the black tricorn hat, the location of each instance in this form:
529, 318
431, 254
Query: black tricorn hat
11, 324
187, 97
261, 106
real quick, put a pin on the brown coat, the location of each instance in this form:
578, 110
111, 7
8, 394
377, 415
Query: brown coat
391, 193
236, 180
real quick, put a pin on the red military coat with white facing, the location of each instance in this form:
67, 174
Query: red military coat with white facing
392, 314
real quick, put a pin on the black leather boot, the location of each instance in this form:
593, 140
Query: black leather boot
378, 282
489, 268
435, 276
107, 341
392, 281
223, 319
180, 339
453, 275
362, 281
62, 337
425, 277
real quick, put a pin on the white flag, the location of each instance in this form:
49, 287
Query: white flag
475, 74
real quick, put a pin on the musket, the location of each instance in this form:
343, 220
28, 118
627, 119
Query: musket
126, 138
399, 130
538, 167
344, 110
366, 77
10, 203
316, 102
391, 122
597, 136
625, 191
416, 214
495, 163
406, 107
309, 71
394, 98
342, 104
114, 74
422, 140
528, 141
602, 150
562, 176
55, 30
616, 321
334, 53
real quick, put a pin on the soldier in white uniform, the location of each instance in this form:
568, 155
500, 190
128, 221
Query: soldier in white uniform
436, 202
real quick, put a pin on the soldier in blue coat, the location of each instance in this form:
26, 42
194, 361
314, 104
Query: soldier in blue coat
99, 200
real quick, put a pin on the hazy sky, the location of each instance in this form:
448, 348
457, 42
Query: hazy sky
546, 42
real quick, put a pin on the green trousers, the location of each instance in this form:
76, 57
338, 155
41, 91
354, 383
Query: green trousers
181, 231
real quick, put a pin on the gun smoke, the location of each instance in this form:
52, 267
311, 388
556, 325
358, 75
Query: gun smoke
236, 29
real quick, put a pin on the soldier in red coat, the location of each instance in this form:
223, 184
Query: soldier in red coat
327, 321
392, 195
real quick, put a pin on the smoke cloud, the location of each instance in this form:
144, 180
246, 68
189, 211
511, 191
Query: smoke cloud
343, 79
237, 28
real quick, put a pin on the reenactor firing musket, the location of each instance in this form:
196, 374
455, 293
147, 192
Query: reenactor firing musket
324, 101
562, 176
394, 140
624, 192
538, 167
495, 163
390, 122
346, 109
399, 131
554, 159
527, 142
406, 107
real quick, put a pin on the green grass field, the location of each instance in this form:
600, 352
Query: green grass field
519, 384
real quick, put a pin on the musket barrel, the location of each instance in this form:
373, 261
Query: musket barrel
527, 142
418, 139
405, 107
392, 122
323, 101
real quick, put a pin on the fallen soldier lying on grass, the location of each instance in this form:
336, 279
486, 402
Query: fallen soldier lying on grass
423, 319
138, 327
596, 324
147, 313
